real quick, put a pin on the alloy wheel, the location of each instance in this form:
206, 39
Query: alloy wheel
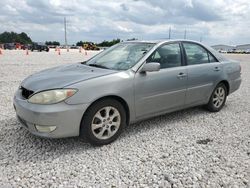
106, 122
219, 97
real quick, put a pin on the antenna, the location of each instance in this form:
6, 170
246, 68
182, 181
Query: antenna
200, 38
185, 34
65, 32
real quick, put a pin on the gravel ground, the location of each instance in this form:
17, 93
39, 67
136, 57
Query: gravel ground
189, 148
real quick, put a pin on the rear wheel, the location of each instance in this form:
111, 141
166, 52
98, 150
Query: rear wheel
218, 98
103, 122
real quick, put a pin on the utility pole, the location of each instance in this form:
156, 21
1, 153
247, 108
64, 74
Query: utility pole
185, 34
169, 33
65, 33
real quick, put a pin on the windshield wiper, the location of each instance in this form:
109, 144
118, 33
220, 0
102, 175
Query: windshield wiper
99, 66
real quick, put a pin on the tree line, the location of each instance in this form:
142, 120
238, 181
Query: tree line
23, 38
105, 43
12, 37
102, 44
53, 43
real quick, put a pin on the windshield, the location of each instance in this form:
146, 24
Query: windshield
121, 56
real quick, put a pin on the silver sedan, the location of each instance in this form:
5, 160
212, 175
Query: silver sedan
128, 82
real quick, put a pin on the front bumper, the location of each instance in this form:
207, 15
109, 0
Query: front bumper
67, 118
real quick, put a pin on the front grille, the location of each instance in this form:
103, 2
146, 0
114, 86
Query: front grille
26, 93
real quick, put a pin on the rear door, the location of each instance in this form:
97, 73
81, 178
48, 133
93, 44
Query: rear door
164, 90
204, 71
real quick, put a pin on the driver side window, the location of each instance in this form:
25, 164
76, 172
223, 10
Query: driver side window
168, 56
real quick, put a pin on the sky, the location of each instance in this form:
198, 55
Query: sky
212, 22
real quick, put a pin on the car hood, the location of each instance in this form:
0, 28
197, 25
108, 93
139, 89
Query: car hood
63, 76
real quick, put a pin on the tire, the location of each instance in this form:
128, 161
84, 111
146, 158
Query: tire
98, 127
218, 98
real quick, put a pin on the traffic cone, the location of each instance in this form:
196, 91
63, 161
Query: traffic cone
1, 53
27, 51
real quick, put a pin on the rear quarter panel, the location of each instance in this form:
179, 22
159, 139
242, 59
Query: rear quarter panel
232, 71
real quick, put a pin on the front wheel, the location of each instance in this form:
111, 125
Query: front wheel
103, 122
218, 98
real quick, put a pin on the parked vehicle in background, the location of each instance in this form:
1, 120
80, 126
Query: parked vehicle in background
231, 51
223, 51
126, 83
52, 46
28, 46
90, 46
239, 51
248, 51
18, 46
38, 46
9, 46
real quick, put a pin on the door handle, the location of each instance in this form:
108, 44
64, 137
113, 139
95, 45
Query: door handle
181, 75
216, 69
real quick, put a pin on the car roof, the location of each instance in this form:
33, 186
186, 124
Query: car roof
159, 41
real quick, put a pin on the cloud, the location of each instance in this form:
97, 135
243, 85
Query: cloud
216, 21
124, 29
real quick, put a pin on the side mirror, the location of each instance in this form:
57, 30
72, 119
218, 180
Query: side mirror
151, 67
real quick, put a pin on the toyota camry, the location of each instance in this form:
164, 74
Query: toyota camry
125, 83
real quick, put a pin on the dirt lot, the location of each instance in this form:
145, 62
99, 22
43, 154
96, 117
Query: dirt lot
190, 148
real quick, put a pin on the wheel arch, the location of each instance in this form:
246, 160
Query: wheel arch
226, 83
117, 98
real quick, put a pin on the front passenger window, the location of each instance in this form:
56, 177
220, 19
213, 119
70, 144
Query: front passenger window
211, 58
168, 56
195, 54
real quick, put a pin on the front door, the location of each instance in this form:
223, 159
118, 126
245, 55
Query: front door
157, 92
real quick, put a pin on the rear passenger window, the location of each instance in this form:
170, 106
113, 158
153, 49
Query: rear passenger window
195, 54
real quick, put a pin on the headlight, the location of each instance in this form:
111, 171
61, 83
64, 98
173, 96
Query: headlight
51, 96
